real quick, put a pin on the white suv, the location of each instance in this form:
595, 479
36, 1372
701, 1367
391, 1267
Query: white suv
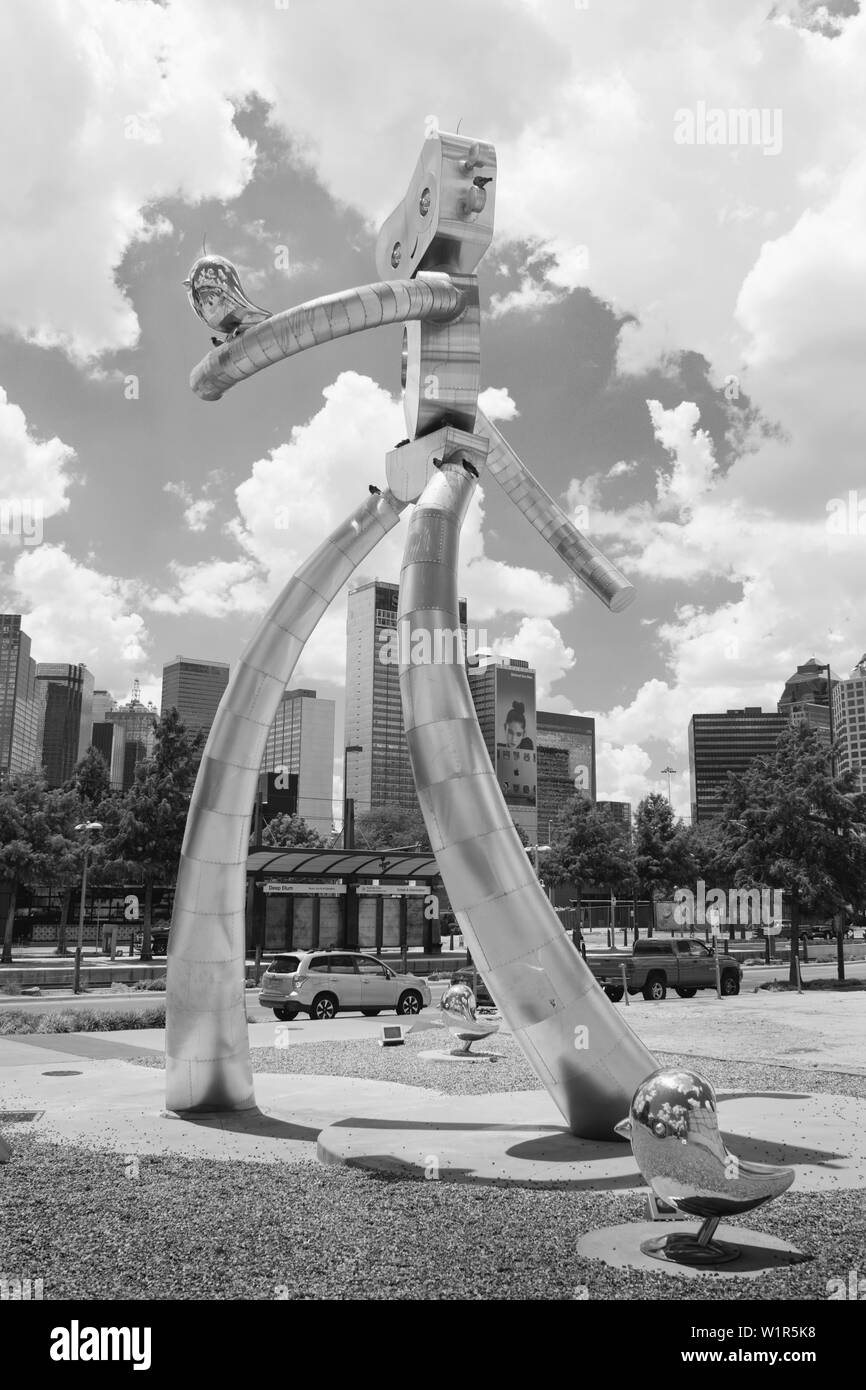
322, 983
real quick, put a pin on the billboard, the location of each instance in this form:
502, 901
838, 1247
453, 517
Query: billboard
516, 736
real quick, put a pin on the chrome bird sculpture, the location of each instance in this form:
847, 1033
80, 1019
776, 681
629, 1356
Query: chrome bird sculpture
673, 1127
458, 1007
217, 296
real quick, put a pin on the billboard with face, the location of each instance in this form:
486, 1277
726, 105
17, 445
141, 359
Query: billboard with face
516, 736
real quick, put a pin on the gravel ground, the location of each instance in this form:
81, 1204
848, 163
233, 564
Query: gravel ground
195, 1229
306, 1231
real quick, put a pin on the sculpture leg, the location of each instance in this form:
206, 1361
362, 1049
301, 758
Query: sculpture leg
207, 1045
584, 1054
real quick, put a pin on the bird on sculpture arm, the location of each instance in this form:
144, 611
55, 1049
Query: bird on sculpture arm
217, 297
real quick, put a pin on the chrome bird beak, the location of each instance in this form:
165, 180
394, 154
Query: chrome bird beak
623, 1129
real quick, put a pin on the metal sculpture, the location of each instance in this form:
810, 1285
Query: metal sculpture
427, 254
457, 1006
673, 1126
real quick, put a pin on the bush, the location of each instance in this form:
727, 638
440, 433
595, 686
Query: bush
81, 1020
157, 984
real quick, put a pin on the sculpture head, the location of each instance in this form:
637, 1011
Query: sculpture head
217, 296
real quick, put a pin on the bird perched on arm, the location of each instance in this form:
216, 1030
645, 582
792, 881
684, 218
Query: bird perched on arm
217, 297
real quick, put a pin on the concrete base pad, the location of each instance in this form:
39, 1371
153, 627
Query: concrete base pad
619, 1247
518, 1137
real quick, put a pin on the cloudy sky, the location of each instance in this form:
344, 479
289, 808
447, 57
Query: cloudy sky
673, 330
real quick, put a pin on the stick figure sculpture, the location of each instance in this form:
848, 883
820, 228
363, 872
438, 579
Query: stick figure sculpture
427, 254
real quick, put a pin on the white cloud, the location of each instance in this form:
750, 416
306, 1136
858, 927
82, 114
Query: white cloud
32, 472
74, 613
539, 642
497, 404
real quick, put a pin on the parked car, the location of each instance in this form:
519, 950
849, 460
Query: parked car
813, 931
656, 962
467, 975
325, 982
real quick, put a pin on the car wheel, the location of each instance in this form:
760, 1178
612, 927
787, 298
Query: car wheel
686, 993
323, 1006
730, 983
286, 1015
410, 1002
614, 993
656, 988
370, 1013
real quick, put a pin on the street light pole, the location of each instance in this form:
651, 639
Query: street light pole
669, 772
85, 827
348, 831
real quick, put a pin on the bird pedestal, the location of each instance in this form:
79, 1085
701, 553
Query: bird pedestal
695, 1248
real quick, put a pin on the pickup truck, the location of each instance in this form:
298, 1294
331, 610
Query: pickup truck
656, 962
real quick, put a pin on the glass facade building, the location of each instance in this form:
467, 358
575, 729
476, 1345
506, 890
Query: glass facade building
381, 774
194, 689
566, 763
806, 698
849, 724
133, 740
301, 742
68, 718
723, 743
22, 700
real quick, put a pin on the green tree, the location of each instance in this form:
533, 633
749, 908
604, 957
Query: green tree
790, 824
287, 832
390, 827
24, 838
589, 849
91, 780
661, 849
147, 836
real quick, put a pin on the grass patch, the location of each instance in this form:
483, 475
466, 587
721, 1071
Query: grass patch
80, 1020
780, 986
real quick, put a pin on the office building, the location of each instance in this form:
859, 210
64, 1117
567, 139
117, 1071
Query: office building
134, 727
619, 811
849, 724
194, 689
102, 732
68, 718
22, 700
503, 693
566, 763
806, 698
301, 744
380, 774
727, 743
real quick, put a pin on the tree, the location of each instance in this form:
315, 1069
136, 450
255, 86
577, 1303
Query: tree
790, 824
589, 849
91, 780
65, 810
151, 820
392, 827
24, 835
287, 832
661, 852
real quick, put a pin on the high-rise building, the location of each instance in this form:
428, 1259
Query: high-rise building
68, 718
503, 693
723, 743
301, 744
619, 811
102, 732
133, 741
806, 697
194, 689
566, 763
22, 700
849, 723
380, 774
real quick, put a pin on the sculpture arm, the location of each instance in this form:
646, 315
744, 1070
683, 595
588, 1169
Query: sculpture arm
433, 297
583, 558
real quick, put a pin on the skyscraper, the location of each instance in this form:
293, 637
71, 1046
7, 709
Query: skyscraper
301, 742
723, 743
381, 774
566, 763
194, 689
22, 700
806, 698
68, 718
849, 723
134, 726
102, 732
503, 693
